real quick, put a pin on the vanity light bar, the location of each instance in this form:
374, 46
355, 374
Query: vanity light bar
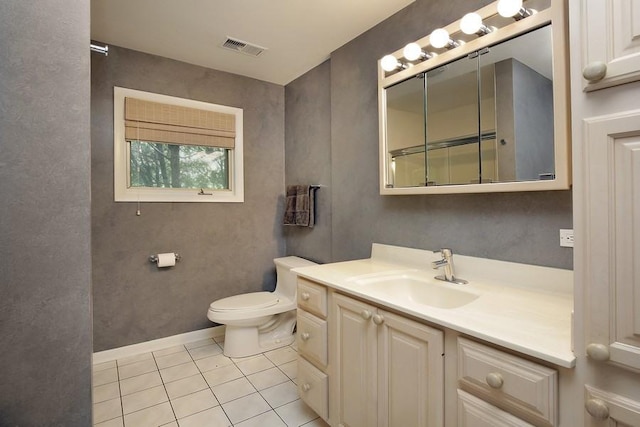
470, 24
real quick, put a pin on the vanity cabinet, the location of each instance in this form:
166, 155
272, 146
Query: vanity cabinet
388, 370
523, 388
311, 340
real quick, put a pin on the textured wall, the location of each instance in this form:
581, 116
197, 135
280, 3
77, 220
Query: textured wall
308, 157
519, 227
227, 248
45, 265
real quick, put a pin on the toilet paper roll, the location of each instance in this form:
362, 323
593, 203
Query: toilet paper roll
166, 260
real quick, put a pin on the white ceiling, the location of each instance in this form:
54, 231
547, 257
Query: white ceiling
298, 34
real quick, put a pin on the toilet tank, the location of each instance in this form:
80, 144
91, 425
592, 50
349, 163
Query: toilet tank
286, 279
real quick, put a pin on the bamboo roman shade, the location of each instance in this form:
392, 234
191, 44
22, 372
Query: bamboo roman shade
173, 124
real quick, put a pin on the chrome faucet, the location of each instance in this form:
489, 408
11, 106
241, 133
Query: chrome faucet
447, 266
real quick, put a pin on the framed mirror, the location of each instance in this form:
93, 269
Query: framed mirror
492, 118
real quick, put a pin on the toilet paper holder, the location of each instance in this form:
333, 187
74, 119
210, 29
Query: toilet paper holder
154, 258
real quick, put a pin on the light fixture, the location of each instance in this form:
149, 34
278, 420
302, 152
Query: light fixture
391, 63
471, 23
513, 9
440, 38
413, 52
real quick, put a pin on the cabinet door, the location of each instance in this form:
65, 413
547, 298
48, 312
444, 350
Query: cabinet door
612, 241
410, 373
611, 34
354, 383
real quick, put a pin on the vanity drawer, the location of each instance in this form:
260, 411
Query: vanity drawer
519, 386
312, 297
313, 388
311, 338
474, 412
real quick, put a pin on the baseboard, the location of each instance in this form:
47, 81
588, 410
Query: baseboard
159, 344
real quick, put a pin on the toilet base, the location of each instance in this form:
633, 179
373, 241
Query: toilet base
243, 341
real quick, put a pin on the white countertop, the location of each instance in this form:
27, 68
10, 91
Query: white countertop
521, 307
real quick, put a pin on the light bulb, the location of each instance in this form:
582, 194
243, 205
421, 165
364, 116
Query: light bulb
412, 51
439, 38
471, 23
389, 63
509, 8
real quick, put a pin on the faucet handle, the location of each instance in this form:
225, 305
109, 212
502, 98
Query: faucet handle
439, 263
446, 252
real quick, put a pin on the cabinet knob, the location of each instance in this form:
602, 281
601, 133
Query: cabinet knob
305, 336
599, 352
305, 296
494, 379
378, 319
365, 314
306, 387
597, 409
594, 71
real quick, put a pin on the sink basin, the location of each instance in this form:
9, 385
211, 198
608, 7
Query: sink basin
419, 290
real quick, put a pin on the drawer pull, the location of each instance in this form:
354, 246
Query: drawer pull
595, 71
494, 380
306, 387
305, 336
365, 314
597, 409
305, 296
378, 319
599, 352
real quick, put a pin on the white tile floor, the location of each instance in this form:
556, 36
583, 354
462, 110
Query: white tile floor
195, 385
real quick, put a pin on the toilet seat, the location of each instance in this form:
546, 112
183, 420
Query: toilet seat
250, 301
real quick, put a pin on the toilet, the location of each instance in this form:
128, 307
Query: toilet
260, 321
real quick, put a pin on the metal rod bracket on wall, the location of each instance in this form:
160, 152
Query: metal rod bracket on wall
100, 49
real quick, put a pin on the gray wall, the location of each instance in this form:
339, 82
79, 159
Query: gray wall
226, 248
308, 157
45, 265
519, 227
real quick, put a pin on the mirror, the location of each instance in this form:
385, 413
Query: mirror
482, 122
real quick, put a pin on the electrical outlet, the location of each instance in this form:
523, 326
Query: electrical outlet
566, 238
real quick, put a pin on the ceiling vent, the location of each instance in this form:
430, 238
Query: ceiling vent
243, 47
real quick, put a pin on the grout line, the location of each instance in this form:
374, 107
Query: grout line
175, 417
120, 392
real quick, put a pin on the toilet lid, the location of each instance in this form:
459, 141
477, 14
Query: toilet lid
253, 300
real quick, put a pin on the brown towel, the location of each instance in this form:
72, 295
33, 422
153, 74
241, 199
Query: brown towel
299, 209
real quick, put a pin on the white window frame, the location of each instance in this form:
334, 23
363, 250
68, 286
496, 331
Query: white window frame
121, 160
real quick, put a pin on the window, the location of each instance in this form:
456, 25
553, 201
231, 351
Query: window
169, 149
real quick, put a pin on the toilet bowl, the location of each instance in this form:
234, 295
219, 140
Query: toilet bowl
260, 321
